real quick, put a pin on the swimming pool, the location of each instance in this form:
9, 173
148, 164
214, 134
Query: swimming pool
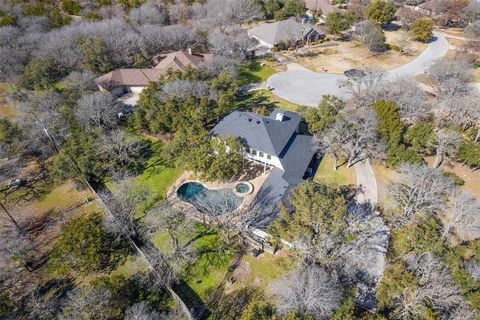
216, 202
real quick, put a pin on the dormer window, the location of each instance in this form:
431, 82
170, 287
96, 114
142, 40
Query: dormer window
260, 154
254, 152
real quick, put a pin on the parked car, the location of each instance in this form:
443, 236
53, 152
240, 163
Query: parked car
354, 73
126, 111
16, 183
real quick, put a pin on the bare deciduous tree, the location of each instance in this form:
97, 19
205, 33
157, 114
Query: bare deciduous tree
446, 144
424, 189
451, 76
363, 87
141, 311
411, 99
98, 110
354, 138
168, 219
436, 289
124, 205
462, 214
88, 302
310, 290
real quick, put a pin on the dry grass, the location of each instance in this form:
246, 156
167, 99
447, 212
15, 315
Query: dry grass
349, 55
6, 110
261, 270
471, 178
384, 177
341, 177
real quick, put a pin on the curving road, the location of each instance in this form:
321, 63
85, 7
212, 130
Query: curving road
307, 87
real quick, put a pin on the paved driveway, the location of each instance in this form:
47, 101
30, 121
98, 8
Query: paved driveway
307, 87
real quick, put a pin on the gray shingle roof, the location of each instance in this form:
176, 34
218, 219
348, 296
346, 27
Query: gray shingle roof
294, 150
258, 132
285, 30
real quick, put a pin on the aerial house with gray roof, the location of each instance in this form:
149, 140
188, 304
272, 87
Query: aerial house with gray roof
274, 141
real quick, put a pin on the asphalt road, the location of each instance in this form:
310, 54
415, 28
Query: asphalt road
307, 87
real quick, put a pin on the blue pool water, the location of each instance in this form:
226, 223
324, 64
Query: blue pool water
216, 202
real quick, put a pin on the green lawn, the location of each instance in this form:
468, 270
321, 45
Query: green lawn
211, 266
263, 101
326, 175
267, 267
156, 179
254, 72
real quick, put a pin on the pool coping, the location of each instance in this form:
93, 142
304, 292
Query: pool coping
203, 184
214, 185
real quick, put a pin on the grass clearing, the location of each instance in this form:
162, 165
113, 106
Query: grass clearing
156, 179
267, 267
340, 177
6, 110
133, 265
255, 72
208, 271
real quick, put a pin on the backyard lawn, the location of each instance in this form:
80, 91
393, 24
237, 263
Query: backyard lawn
156, 179
267, 267
210, 268
340, 177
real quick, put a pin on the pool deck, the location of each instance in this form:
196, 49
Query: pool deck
189, 176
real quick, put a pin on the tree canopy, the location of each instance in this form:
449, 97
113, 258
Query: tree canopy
381, 11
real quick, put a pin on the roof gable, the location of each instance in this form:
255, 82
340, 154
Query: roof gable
258, 132
180, 60
128, 77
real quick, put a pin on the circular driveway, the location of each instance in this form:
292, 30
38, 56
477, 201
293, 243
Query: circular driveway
308, 87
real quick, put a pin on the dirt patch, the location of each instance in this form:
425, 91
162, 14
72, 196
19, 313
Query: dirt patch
347, 55
242, 271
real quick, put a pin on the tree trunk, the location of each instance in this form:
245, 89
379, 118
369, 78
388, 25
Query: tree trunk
477, 137
335, 167
438, 161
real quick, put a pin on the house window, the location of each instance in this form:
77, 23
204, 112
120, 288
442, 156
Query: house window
260, 154
254, 152
269, 157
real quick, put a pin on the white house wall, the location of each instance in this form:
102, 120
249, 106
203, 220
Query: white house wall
136, 89
274, 161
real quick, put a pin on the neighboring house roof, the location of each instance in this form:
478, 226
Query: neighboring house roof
180, 60
128, 77
258, 132
285, 30
325, 6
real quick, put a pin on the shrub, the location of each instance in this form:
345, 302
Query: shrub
84, 247
422, 29
6, 20
337, 22
469, 153
455, 178
381, 11
42, 73
71, 7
